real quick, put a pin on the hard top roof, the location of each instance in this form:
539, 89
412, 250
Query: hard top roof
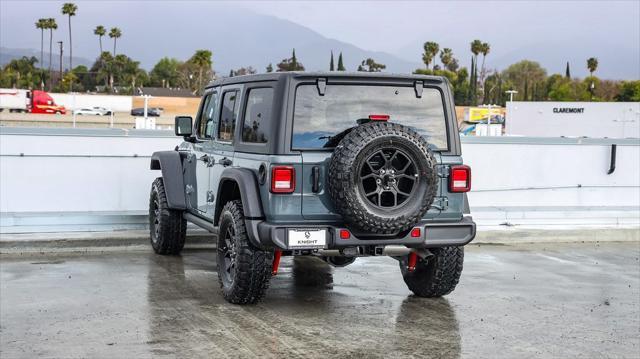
274, 76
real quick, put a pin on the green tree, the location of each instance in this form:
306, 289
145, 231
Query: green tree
100, 31
70, 9
85, 79
331, 66
629, 91
269, 68
592, 65
369, 65
567, 71
430, 51
524, 77
21, 73
340, 63
165, 73
290, 64
66, 85
115, 34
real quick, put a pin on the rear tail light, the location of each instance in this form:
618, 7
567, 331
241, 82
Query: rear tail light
283, 179
460, 179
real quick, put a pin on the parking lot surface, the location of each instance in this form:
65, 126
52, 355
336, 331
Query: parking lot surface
551, 300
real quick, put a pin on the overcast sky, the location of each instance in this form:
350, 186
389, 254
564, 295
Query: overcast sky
393, 26
549, 31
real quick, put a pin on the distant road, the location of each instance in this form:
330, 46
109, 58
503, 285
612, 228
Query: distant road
120, 120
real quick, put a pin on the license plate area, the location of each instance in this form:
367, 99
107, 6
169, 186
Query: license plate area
301, 238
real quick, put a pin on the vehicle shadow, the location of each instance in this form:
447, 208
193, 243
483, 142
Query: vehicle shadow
427, 328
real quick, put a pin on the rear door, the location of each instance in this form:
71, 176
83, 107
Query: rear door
222, 152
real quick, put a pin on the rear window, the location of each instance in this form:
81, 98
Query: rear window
318, 119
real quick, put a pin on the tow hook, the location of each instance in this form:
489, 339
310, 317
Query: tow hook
276, 261
413, 260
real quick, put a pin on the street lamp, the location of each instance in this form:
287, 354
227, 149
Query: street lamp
511, 93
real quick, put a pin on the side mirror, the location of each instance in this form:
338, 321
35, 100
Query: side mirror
183, 126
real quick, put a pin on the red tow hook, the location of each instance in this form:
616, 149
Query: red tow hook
413, 259
276, 261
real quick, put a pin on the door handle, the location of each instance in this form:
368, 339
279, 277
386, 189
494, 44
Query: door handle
226, 162
207, 160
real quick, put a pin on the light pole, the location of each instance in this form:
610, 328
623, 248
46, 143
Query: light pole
60, 79
511, 93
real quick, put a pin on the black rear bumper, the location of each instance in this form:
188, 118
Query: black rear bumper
433, 234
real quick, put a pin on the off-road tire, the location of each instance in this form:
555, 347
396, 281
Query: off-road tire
438, 275
248, 280
344, 176
168, 233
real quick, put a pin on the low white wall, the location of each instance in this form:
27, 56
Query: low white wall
86, 171
76, 101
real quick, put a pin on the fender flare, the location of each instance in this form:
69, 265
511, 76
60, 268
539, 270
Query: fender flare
170, 164
247, 183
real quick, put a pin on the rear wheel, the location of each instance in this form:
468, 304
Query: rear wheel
243, 270
168, 227
437, 275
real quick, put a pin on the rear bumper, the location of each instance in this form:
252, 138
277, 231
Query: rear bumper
433, 234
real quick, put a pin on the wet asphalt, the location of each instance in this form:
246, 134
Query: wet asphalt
551, 301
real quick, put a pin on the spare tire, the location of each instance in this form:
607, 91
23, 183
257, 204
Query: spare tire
382, 178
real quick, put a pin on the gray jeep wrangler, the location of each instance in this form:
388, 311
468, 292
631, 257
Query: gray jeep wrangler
335, 165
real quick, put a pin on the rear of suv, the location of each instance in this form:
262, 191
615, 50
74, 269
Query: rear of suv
334, 165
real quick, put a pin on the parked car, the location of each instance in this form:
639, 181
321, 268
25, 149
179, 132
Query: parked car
97, 111
333, 165
151, 111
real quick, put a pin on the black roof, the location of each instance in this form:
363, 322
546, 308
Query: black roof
274, 76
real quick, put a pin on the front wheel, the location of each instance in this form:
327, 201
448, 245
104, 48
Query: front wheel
243, 270
436, 275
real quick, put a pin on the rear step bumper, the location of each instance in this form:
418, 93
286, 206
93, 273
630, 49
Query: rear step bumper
433, 234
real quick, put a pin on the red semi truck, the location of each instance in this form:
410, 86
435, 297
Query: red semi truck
33, 101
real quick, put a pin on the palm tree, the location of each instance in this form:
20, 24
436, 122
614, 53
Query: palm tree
592, 65
51, 25
484, 49
446, 56
430, 50
42, 25
202, 60
115, 33
100, 31
70, 9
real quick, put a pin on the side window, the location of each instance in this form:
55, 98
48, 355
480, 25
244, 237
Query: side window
257, 116
228, 115
207, 123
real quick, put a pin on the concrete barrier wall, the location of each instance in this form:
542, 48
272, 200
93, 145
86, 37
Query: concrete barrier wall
67, 172
115, 103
